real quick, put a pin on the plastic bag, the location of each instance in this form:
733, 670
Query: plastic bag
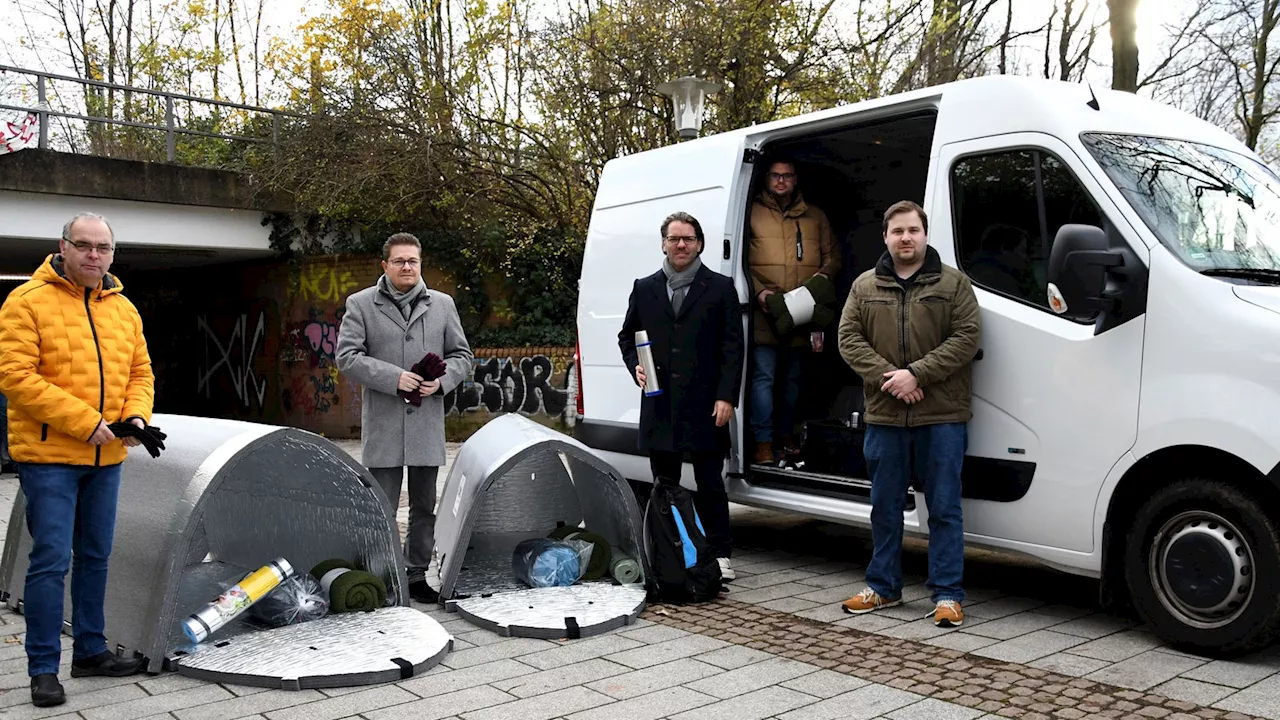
540, 562
297, 600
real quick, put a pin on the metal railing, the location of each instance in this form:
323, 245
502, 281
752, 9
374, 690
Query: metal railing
171, 128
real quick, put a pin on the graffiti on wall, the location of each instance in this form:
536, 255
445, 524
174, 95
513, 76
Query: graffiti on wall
321, 283
234, 353
506, 385
313, 341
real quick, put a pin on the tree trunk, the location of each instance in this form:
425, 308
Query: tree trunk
1263, 69
1124, 44
1004, 39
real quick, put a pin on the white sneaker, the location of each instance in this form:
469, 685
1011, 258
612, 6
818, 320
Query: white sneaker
726, 570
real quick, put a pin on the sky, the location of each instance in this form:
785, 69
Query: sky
282, 16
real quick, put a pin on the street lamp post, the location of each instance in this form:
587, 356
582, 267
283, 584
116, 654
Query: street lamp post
689, 95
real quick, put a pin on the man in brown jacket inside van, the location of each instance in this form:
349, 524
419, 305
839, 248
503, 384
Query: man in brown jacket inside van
791, 241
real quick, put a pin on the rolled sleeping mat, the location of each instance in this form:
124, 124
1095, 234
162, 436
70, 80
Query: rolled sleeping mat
349, 589
800, 304
780, 313
601, 553
823, 316
624, 569
563, 531
822, 289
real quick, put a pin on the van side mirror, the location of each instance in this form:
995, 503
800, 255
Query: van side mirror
1078, 265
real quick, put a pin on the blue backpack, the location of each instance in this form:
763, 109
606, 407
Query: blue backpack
682, 568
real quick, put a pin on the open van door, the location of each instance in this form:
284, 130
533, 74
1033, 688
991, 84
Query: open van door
1055, 403
706, 178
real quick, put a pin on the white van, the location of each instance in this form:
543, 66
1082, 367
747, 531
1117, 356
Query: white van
1133, 437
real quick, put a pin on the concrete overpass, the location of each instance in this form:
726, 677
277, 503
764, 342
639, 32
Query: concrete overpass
164, 215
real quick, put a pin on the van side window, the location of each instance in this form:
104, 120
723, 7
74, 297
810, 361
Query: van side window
1008, 207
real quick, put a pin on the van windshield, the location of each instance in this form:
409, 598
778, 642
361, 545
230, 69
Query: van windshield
1217, 210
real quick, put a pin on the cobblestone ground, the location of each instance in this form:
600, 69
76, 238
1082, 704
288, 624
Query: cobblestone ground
777, 646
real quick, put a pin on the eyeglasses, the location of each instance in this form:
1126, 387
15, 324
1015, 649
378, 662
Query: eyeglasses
681, 239
782, 176
401, 262
85, 247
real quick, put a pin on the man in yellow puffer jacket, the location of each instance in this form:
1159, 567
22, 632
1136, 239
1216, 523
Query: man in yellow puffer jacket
72, 361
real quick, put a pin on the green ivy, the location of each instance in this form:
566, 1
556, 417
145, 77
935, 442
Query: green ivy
516, 336
536, 271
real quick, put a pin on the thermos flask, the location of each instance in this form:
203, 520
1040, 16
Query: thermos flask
645, 349
236, 600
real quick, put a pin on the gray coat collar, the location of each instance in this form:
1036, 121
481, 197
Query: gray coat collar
388, 308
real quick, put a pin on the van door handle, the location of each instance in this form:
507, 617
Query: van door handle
726, 248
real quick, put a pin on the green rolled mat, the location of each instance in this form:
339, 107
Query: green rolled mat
781, 317
598, 565
563, 531
601, 553
624, 569
320, 570
823, 315
349, 589
822, 290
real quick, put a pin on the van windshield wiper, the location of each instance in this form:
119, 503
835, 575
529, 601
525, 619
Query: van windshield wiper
1266, 275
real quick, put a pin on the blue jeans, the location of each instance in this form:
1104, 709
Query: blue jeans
71, 515
936, 452
763, 419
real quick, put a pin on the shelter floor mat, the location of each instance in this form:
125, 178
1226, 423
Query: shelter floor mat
341, 650
553, 613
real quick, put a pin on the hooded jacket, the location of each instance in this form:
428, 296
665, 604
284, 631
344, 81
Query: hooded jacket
932, 329
71, 357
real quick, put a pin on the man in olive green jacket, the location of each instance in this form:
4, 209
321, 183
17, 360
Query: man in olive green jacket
910, 330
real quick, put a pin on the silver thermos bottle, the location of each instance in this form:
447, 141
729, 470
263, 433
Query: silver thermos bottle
644, 349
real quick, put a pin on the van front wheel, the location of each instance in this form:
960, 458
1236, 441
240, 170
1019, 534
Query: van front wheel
1202, 563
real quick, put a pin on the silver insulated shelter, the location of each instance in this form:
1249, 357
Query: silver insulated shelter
515, 480
224, 498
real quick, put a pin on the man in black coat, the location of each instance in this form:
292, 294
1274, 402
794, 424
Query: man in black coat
694, 324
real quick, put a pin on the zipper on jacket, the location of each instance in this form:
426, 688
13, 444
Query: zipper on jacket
44, 432
102, 380
906, 420
799, 242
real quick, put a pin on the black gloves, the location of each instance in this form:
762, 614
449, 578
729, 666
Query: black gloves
152, 438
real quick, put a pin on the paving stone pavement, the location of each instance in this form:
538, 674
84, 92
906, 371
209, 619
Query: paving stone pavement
777, 647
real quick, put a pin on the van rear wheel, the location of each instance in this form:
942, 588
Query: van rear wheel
1202, 563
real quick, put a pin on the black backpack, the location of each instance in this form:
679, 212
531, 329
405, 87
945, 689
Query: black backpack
681, 566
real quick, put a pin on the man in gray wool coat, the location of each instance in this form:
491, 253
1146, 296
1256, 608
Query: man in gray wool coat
387, 329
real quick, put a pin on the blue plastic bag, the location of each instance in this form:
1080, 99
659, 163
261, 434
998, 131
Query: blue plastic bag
539, 562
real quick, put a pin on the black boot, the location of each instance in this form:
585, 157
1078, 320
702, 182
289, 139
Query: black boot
105, 664
422, 592
46, 691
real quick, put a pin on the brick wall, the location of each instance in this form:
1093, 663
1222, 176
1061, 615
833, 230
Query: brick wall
256, 341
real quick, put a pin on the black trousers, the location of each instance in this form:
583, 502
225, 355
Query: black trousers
420, 540
710, 500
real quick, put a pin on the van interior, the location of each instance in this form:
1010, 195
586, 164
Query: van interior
852, 174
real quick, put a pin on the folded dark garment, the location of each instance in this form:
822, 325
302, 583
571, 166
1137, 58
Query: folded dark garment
151, 436
430, 367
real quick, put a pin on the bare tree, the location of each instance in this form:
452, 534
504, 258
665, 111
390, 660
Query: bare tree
1241, 36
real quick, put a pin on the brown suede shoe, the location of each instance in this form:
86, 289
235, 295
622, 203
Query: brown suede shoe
764, 453
866, 601
948, 613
